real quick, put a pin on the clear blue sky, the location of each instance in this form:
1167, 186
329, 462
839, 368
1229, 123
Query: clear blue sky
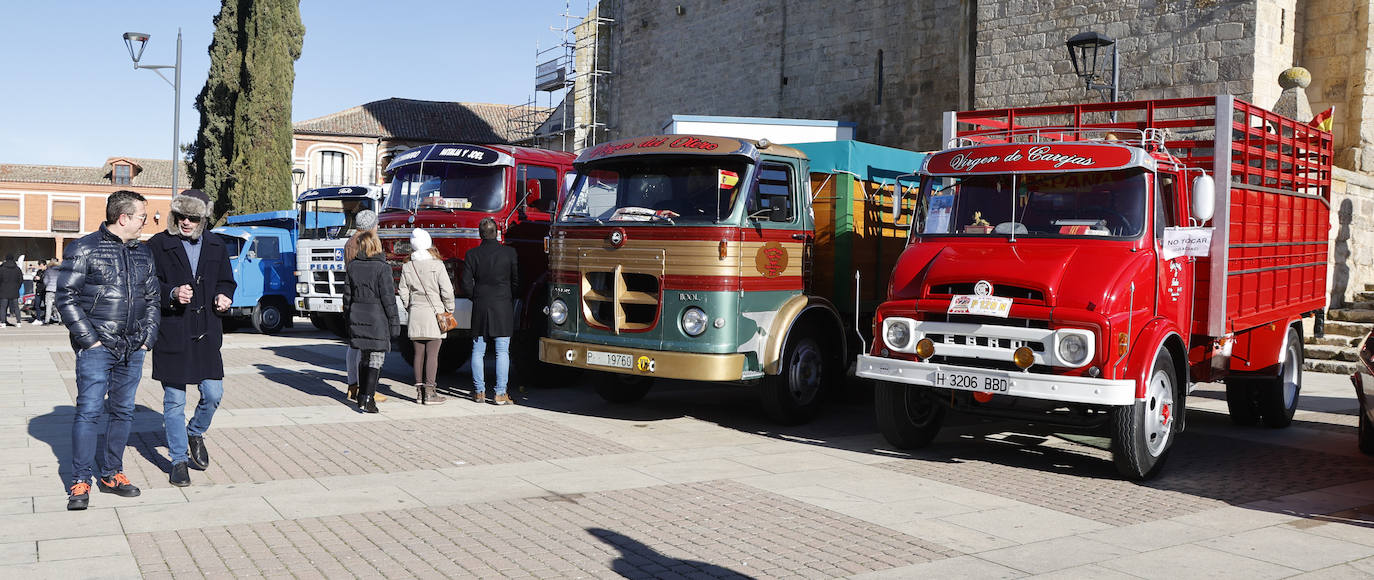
69, 94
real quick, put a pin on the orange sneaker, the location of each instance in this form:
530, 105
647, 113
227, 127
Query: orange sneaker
80, 496
118, 484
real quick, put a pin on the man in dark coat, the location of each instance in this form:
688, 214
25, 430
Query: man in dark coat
196, 281
489, 279
11, 278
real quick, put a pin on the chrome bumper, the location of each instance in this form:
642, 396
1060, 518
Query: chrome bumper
1019, 384
651, 363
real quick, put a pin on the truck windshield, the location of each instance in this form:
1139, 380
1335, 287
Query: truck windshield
1104, 203
448, 186
656, 190
322, 219
233, 245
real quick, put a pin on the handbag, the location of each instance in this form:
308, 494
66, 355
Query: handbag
442, 316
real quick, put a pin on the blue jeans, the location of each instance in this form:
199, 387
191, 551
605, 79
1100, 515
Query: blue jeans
479, 364
174, 414
100, 374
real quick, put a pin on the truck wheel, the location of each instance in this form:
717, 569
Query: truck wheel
1366, 433
1144, 432
618, 388
1278, 396
318, 322
1240, 402
795, 394
908, 417
268, 317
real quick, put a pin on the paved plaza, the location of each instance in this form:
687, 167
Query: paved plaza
692, 482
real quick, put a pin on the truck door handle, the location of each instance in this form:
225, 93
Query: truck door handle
802, 237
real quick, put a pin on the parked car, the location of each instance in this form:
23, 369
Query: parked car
1364, 391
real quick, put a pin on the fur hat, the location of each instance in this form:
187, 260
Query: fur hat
420, 241
191, 202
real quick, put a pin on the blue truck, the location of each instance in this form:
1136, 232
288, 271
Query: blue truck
262, 252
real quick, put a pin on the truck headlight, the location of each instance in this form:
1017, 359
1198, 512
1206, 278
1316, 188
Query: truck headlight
897, 335
558, 311
1074, 349
694, 321
302, 287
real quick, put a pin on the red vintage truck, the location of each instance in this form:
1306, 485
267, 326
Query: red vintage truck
1079, 267
447, 188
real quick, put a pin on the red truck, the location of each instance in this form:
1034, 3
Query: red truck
447, 188
1062, 271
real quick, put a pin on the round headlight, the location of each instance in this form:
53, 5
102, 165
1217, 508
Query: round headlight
1073, 349
558, 311
694, 321
302, 287
897, 335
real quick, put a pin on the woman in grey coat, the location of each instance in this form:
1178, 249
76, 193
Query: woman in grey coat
425, 290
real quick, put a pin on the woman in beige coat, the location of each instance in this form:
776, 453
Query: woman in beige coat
425, 290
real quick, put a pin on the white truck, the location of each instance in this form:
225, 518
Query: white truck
327, 220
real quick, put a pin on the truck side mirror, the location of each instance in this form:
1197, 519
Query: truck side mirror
779, 208
1204, 198
896, 202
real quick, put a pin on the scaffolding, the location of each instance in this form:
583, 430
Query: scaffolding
572, 76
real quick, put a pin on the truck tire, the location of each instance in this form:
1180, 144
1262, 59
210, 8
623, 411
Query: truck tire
1144, 432
1366, 433
908, 417
794, 396
317, 320
1277, 397
618, 388
1240, 402
268, 316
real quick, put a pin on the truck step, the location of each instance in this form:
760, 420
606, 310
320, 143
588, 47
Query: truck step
1350, 315
1322, 352
1354, 329
1335, 340
1327, 366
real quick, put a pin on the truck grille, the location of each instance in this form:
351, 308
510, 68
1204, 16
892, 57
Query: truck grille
621, 301
1003, 290
328, 282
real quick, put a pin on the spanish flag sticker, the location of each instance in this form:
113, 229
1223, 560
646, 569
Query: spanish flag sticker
728, 179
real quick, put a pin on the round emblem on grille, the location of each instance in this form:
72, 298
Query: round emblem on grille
982, 288
616, 238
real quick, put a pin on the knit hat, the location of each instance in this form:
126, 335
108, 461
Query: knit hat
419, 240
365, 220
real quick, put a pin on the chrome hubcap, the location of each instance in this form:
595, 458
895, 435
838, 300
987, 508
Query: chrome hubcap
804, 376
1159, 412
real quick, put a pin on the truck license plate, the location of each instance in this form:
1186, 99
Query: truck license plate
966, 381
980, 305
610, 359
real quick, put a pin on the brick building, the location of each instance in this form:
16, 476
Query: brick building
355, 145
44, 206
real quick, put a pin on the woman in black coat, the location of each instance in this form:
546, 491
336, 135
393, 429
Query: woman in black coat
369, 303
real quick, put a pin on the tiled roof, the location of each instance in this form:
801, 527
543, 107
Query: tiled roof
409, 119
155, 173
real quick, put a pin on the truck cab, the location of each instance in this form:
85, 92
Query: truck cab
263, 258
447, 189
326, 218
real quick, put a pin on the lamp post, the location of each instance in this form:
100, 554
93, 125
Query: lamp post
297, 176
136, 53
1083, 52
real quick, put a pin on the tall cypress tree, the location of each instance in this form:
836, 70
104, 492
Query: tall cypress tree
243, 152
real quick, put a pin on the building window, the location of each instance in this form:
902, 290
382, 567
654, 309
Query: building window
123, 174
332, 168
66, 216
9, 210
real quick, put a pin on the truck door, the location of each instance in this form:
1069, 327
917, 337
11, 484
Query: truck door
773, 242
1174, 296
538, 187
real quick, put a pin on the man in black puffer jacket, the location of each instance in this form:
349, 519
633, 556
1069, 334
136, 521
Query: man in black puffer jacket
107, 295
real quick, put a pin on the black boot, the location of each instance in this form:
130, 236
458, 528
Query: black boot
367, 389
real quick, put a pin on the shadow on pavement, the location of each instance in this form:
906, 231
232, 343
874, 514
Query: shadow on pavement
640, 561
55, 429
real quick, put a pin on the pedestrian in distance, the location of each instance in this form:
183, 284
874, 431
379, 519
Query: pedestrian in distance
426, 291
195, 283
39, 292
50, 292
365, 221
107, 295
11, 280
490, 278
369, 303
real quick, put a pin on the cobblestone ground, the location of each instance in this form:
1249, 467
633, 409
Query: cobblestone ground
692, 482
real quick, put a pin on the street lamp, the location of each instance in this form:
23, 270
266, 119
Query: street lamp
1083, 52
137, 41
297, 176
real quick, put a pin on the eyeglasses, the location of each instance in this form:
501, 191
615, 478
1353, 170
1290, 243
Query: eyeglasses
176, 217
142, 217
